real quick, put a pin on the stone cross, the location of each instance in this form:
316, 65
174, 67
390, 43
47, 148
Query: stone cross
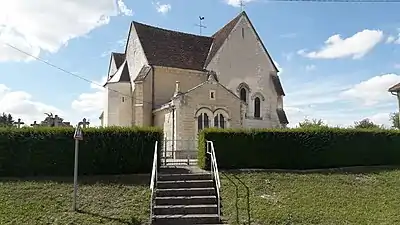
19, 123
84, 123
34, 124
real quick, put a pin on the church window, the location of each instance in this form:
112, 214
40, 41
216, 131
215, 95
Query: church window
257, 108
219, 121
202, 121
243, 94
212, 95
123, 99
242, 32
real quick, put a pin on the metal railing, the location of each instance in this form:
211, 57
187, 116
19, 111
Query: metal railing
178, 152
215, 173
154, 177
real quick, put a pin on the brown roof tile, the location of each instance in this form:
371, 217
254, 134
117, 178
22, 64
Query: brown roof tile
278, 85
282, 116
119, 58
143, 73
173, 49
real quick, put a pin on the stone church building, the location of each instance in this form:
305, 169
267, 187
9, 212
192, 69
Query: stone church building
184, 82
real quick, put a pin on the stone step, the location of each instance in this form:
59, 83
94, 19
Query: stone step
185, 209
185, 219
185, 200
185, 184
180, 177
185, 192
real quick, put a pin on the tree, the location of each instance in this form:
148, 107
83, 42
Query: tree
314, 123
394, 119
6, 120
367, 124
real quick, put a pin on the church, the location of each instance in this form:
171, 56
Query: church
184, 83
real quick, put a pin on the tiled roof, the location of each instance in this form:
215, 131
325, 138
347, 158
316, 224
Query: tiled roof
143, 73
278, 85
119, 58
282, 116
395, 88
122, 74
171, 48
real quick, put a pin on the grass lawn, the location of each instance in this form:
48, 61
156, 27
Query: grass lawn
119, 201
272, 198
284, 198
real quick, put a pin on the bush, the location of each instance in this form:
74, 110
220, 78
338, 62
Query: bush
50, 151
300, 148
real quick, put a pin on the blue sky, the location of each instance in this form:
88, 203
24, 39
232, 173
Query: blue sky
340, 81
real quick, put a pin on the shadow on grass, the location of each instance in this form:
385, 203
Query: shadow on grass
342, 170
131, 179
133, 220
237, 197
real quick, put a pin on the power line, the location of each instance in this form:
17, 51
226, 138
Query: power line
340, 1
68, 72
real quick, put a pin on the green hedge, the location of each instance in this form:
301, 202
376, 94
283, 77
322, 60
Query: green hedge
300, 148
50, 151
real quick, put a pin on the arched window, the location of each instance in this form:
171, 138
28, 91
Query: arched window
202, 121
257, 108
219, 121
243, 94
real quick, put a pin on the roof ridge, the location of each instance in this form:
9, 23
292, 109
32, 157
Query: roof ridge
164, 29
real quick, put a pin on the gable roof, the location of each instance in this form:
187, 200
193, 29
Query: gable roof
122, 75
172, 48
119, 58
220, 36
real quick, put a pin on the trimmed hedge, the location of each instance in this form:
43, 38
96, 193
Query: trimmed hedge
50, 151
300, 148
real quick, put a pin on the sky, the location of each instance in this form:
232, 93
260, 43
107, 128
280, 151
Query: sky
336, 60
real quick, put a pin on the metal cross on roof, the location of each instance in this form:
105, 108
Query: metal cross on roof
242, 5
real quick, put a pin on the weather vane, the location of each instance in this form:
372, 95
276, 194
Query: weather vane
200, 25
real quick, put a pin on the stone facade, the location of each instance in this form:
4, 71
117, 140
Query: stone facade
227, 81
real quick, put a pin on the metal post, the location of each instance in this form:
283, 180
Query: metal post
76, 172
165, 151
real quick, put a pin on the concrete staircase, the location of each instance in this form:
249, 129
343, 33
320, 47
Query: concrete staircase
184, 196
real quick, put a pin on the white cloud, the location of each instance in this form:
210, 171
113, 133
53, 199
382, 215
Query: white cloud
21, 105
236, 3
355, 46
373, 90
91, 101
390, 39
48, 25
310, 67
163, 8
333, 100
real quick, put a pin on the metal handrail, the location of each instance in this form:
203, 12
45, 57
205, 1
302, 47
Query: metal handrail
154, 177
215, 173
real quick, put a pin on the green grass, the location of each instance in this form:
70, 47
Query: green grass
284, 198
274, 198
50, 202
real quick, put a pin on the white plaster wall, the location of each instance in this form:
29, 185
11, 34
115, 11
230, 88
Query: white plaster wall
118, 113
164, 119
242, 59
134, 54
